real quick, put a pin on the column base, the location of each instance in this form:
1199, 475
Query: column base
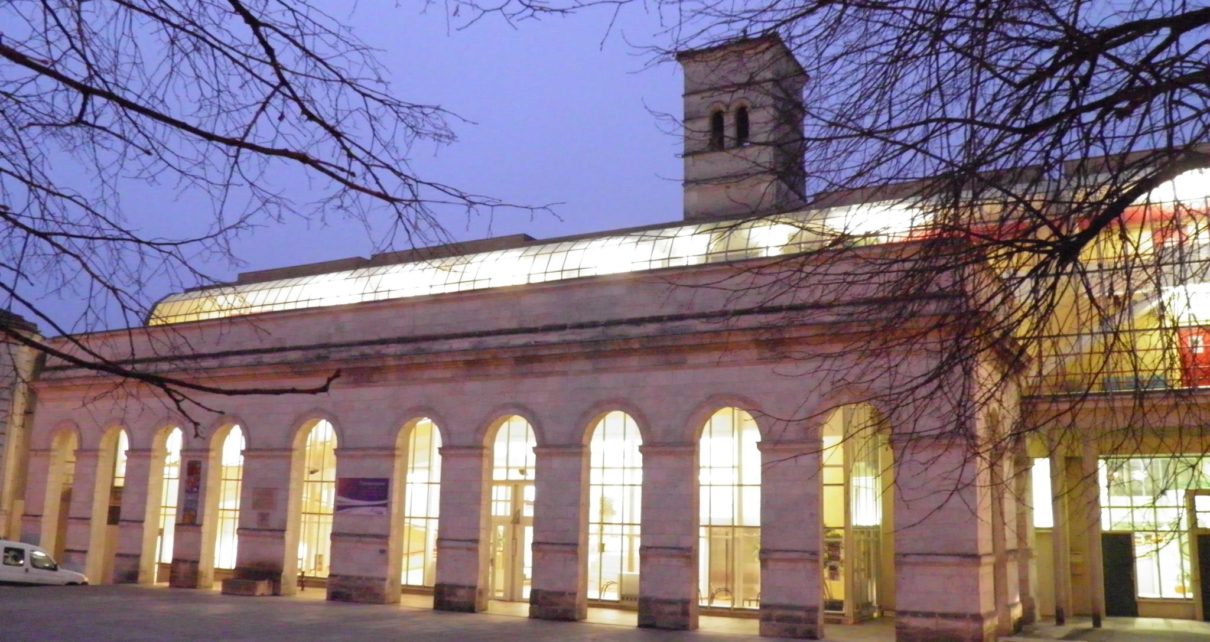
669, 614
922, 626
254, 581
790, 622
183, 574
454, 597
363, 590
126, 568
556, 605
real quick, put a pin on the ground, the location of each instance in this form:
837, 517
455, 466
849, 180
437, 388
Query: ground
142, 613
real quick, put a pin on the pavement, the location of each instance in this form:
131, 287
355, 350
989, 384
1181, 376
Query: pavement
141, 613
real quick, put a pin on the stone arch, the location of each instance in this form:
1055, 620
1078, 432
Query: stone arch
303, 422
317, 538
159, 514
414, 519
62, 443
393, 433
589, 419
105, 512
216, 520
695, 421
494, 419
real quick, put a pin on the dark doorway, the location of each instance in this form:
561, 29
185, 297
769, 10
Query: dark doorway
1203, 564
1118, 549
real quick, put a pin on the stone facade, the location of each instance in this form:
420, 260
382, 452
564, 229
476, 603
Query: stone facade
669, 347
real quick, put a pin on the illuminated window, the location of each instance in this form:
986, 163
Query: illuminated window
512, 510
729, 573
615, 488
231, 475
646, 249
1146, 497
421, 502
168, 496
318, 500
1043, 507
716, 131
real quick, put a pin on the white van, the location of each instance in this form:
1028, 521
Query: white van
22, 563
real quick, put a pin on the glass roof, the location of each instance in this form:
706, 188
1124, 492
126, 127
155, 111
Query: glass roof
632, 251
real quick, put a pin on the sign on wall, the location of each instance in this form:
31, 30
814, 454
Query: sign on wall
193, 489
362, 495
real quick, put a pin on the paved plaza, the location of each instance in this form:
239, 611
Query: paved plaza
144, 613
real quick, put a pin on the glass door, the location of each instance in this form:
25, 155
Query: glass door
512, 538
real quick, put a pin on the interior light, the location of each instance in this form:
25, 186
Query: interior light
1189, 187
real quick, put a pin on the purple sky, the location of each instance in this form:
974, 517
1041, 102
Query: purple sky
562, 113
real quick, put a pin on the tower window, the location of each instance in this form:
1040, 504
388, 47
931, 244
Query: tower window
716, 131
741, 127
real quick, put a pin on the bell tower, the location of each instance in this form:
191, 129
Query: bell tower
743, 129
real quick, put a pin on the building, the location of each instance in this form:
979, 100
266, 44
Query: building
650, 418
18, 367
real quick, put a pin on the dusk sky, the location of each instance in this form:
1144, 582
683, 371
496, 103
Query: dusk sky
562, 111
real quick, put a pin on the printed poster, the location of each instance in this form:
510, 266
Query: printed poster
362, 495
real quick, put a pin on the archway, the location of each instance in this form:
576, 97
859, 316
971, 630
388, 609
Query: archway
316, 479
220, 518
107, 505
168, 459
510, 573
857, 559
615, 487
729, 526
57, 503
420, 444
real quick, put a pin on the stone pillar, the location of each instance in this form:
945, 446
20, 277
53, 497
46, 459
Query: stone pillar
1090, 501
265, 493
136, 540
362, 567
790, 540
1027, 576
1004, 585
36, 524
944, 562
560, 533
668, 555
86, 535
192, 550
462, 537
1059, 537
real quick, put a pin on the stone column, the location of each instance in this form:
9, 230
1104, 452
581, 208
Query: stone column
790, 540
260, 564
668, 555
192, 550
1027, 576
84, 536
462, 538
944, 562
362, 566
1059, 537
136, 540
1004, 584
36, 524
1091, 517
560, 534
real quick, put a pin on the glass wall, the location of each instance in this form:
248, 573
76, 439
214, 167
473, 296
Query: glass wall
1042, 498
421, 503
231, 475
1146, 496
318, 500
168, 496
615, 481
729, 478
